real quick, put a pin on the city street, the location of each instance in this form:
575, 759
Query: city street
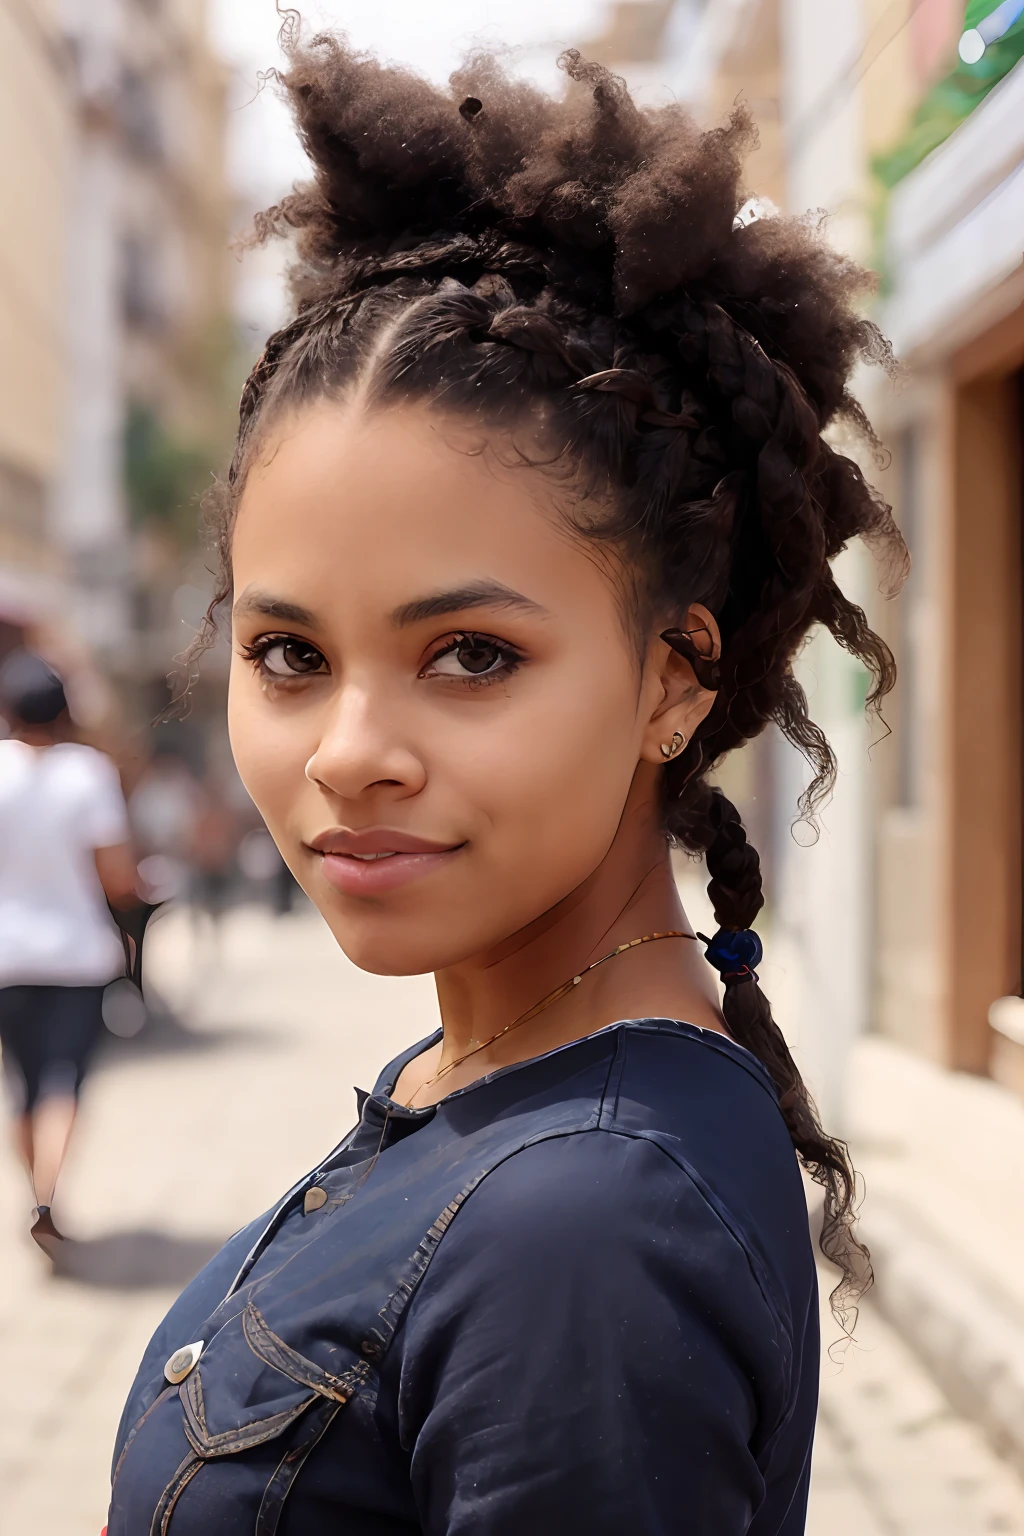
232, 1091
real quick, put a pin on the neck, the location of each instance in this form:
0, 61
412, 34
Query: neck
631, 893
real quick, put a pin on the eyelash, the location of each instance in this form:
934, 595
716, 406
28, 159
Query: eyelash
511, 657
256, 650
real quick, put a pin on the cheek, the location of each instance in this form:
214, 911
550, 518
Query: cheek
553, 779
271, 747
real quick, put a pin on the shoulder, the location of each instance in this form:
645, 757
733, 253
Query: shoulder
596, 1246
562, 1200
74, 758
712, 1108
687, 1159
665, 1069
90, 776
610, 1215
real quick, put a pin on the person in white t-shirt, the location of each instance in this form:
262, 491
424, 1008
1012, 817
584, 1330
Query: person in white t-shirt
64, 853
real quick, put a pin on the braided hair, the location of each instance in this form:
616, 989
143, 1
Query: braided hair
576, 268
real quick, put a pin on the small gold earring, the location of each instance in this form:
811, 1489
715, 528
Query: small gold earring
671, 749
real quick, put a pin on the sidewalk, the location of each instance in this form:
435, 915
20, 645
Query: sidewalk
203, 1120
186, 1133
942, 1156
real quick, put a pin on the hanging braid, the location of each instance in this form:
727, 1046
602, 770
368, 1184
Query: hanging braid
736, 898
576, 268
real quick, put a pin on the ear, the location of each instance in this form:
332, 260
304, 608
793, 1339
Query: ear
681, 699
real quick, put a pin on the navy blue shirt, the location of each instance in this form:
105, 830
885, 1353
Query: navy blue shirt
577, 1295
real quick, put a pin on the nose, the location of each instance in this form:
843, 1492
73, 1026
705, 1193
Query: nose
362, 750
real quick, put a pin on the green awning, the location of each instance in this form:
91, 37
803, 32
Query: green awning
955, 96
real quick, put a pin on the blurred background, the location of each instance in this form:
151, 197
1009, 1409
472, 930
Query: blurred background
137, 139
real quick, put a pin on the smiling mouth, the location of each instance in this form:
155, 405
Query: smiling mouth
377, 861
372, 843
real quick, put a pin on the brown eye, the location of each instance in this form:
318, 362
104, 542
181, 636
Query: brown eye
475, 654
291, 658
472, 655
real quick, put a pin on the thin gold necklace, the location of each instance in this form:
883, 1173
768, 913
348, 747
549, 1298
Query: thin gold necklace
545, 1002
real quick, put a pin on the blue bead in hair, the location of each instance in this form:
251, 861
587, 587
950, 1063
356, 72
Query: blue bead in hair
733, 951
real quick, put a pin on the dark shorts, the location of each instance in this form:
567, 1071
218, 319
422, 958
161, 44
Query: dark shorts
48, 1035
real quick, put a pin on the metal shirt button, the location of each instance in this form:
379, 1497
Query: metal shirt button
315, 1198
182, 1361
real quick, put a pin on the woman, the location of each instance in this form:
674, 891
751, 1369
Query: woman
529, 514
64, 855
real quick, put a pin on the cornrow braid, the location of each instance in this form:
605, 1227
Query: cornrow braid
577, 267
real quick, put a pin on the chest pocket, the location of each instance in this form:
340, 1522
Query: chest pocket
256, 1388
251, 1387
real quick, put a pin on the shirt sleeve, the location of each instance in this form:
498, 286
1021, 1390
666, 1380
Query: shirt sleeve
590, 1350
104, 816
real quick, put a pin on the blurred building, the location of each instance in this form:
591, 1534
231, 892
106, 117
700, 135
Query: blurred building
896, 947
795, 63
36, 129
150, 335
119, 340
950, 871
867, 112
707, 54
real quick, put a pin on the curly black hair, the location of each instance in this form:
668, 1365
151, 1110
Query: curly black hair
577, 266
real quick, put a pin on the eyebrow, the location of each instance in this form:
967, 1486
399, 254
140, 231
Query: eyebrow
254, 601
475, 594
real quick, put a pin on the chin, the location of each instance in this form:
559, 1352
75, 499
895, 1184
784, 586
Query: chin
390, 947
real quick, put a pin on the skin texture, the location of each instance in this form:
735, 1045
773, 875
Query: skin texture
542, 781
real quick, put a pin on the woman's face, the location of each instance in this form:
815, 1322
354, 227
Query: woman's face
434, 699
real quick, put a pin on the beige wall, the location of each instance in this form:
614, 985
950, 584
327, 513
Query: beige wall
749, 71
35, 124
911, 768
183, 199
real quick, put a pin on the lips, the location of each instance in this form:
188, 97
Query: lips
379, 859
375, 841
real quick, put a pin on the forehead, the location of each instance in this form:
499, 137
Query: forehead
396, 502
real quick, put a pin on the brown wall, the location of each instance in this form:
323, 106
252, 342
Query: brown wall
985, 725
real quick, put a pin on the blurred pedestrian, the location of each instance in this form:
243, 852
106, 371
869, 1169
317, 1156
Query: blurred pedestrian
64, 854
213, 855
163, 810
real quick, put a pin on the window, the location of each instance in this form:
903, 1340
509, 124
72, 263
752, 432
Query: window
141, 296
139, 115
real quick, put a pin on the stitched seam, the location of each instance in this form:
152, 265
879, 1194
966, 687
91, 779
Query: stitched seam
613, 1082
375, 1345
723, 1215
184, 1473
702, 1190
274, 1221
129, 1438
269, 1347
289, 1467
229, 1440
720, 1044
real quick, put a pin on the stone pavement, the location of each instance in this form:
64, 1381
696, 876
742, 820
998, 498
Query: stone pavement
942, 1157
171, 1157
